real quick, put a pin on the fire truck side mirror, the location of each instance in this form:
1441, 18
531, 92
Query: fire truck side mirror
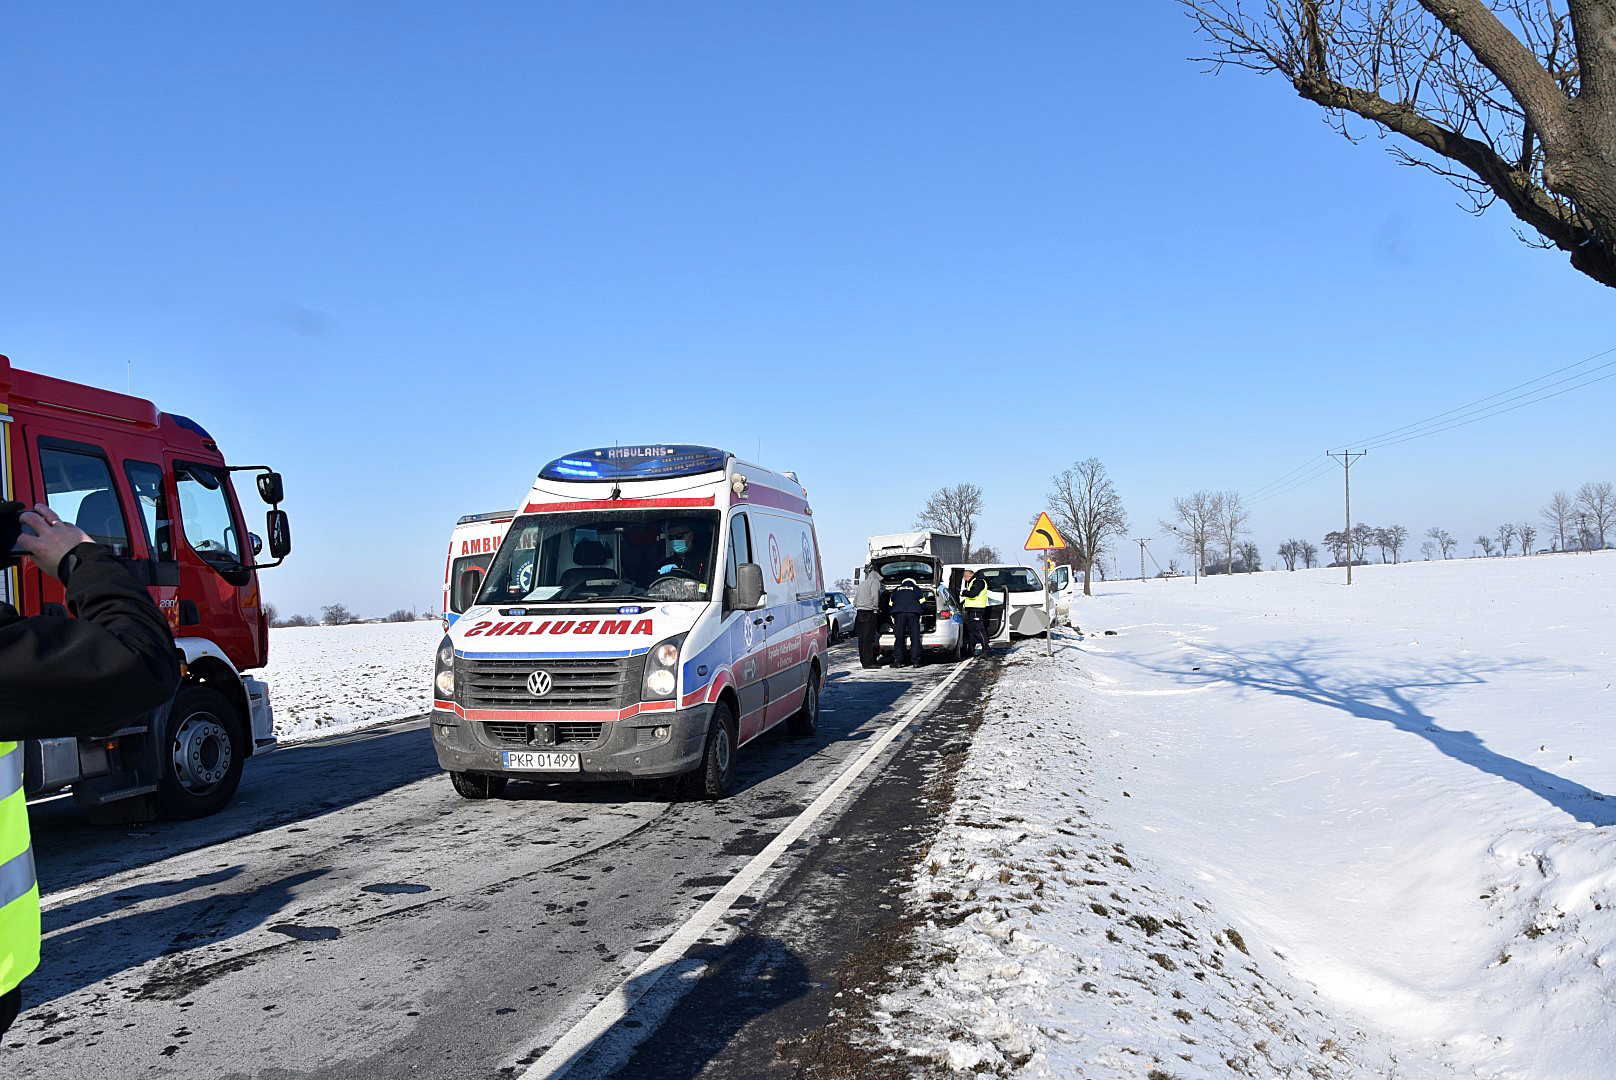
270, 489
280, 533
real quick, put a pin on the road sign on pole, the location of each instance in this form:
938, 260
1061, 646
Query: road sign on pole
1044, 535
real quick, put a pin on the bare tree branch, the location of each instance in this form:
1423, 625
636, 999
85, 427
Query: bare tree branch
1506, 99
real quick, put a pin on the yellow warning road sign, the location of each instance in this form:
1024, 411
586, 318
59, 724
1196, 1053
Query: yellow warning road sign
1044, 535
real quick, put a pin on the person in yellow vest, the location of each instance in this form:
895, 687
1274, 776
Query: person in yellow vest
64, 677
974, 596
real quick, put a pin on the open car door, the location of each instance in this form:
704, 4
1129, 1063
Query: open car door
994, 621
1065, 584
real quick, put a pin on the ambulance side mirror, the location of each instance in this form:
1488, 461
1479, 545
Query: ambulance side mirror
747, 595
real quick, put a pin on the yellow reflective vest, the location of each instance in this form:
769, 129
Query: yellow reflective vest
981, 597
19, 891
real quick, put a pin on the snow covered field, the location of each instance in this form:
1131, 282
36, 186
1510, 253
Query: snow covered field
323, 679
1278, 826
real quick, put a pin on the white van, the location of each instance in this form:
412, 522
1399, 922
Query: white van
651, 610
471, 548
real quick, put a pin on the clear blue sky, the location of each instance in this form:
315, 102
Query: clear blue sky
407, 253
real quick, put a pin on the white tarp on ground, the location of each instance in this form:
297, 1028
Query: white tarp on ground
1393, 795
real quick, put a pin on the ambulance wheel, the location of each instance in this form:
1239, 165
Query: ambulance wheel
478, 786
201, 754
715, 778
805, 721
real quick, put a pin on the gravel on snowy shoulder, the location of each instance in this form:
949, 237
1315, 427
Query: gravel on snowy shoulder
1052, 949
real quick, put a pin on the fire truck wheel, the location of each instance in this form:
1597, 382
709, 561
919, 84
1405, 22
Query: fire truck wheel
805, 721
477, 786
716, 777
202, 752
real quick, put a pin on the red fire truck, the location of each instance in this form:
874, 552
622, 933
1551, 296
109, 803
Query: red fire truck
155, 489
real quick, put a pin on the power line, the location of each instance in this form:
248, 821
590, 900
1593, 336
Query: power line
1465, 409
1308, 464
1320, 466
1493, 412
1448, 420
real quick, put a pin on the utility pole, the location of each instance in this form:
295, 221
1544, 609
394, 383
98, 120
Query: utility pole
1346, 458
1141, 542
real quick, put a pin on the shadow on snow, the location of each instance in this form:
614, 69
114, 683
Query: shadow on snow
1291, 671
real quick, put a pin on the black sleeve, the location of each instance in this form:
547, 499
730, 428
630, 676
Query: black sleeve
114, 661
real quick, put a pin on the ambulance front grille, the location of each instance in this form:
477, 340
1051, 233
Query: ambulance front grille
575, 684
576, 733
528, 735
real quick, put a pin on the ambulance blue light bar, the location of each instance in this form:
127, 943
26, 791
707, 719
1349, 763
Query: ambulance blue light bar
635, 463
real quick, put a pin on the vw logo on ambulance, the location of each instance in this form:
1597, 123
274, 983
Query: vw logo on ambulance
539, 683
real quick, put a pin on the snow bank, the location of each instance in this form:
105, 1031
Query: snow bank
324, 679
1276, 826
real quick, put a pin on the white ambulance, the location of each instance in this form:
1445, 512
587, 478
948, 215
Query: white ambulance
650, 610
471, 548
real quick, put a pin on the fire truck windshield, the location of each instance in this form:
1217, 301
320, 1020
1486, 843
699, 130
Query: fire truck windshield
615, 555
205, 515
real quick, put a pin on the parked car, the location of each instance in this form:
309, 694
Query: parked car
942, 626
839, 615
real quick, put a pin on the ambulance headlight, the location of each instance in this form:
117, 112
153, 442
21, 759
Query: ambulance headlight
661, 670
443, 669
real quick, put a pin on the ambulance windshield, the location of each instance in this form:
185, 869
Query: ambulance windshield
612, 555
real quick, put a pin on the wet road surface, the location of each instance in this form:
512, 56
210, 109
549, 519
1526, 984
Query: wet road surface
350, 916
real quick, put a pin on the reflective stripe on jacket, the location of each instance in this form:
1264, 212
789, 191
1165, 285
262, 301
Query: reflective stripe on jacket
19, 891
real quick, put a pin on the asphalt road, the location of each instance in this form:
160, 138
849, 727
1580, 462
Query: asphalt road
350, 916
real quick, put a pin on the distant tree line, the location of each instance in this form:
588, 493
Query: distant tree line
1584, 522
339, 615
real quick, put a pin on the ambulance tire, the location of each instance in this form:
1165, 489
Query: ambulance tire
715, 778
805, 721
203, 748
478, 786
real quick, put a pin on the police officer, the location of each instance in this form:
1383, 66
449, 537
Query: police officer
974, 598
867, 623
64, 677
906, 604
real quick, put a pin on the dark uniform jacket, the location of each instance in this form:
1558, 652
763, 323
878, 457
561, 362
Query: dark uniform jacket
906, 598
115, 660
974, 589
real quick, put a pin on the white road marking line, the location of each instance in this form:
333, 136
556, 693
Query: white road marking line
57, 898
616, 1005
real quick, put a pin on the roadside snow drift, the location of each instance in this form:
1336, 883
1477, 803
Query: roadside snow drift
1273, 825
